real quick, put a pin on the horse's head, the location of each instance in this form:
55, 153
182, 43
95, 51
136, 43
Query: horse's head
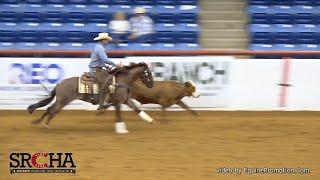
143, 73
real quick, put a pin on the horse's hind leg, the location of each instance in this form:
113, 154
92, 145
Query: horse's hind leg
141, 113
37, 121
54, 109
51, 114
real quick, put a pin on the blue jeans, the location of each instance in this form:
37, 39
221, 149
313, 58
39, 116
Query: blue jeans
146, 38
92, 72
120, 37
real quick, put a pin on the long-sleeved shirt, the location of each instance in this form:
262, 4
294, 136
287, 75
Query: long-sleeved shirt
141, 25
99, 57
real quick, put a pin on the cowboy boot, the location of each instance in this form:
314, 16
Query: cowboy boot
105, 103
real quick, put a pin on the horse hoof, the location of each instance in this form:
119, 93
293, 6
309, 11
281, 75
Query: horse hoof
153, 122
101, 112
30, 111
105, 106
100, 108
144, 116
45, 125
122, 132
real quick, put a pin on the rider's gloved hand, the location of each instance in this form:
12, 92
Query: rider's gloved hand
120, 64
113, 68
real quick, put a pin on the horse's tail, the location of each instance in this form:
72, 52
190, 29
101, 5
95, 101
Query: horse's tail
42, 103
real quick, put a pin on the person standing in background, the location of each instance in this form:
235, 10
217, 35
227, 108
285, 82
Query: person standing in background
119, 28
142, 26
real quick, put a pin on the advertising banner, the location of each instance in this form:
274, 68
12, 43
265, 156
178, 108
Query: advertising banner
22, 80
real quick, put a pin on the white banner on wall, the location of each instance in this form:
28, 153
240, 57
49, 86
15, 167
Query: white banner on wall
224, 82
275, 84
254, 84
303, 91
22, 78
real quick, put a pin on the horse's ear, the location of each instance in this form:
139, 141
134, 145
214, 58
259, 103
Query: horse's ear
142, 63
145, 64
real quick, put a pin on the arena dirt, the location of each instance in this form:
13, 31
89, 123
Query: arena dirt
182, 148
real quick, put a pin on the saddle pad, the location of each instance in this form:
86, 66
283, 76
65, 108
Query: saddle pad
86, 89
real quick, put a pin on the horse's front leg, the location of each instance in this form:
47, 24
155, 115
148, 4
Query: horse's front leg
144, 116
120, 125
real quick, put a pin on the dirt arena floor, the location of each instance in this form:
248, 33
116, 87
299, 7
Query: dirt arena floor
183, 148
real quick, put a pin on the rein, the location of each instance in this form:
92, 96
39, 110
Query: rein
120, 85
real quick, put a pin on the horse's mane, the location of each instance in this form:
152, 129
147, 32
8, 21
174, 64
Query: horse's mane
125, 69
133, 65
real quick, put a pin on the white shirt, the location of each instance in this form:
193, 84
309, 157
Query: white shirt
120, 27
142, 25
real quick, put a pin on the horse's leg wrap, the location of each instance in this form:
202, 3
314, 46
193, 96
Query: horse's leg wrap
121, 128
145, 116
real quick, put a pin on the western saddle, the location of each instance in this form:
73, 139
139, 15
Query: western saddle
88, 84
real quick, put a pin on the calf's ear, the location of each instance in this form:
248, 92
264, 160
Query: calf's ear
187, 84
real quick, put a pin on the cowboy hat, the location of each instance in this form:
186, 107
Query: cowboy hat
103, 36
140, 10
